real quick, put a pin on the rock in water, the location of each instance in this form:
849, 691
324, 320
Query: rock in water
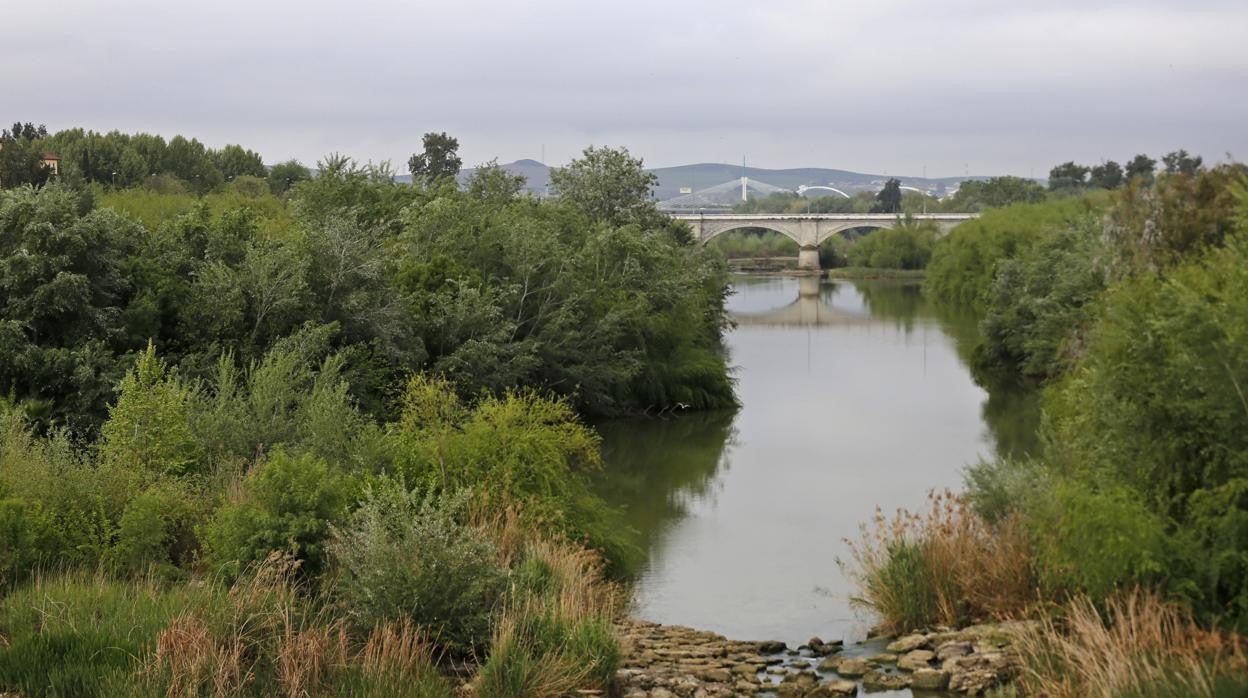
906, 644
916, 659
929, 680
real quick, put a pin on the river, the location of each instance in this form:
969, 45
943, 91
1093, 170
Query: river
853, 395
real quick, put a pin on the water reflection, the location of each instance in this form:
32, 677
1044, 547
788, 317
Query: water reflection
854, 394
659, 466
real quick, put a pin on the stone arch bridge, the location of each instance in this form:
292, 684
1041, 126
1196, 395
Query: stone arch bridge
811, 229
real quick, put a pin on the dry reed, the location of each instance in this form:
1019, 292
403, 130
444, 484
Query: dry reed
946, 566
1140, 645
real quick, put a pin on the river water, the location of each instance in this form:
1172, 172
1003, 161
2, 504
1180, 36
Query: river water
853, 395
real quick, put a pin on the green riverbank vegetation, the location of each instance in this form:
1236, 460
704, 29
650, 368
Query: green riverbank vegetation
326, 438
1127, 530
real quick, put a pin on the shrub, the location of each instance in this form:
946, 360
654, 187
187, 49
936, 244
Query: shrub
1096, 540
1039, 302
519, 449
157, 529
27, 539
1154, 412
944, 567
150, 426
996, 489
407, 556
286, 503
963, 262
904, 247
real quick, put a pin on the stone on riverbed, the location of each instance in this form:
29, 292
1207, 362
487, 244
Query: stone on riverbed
953, 649
882, 658
852, 667
929, 680
771, 647
833, 688
916, 659
906, 644
876, 680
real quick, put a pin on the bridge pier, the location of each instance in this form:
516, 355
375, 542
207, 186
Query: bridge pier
808, 258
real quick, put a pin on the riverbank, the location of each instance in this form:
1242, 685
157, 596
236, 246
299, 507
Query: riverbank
861, 273
781, 267
662, 661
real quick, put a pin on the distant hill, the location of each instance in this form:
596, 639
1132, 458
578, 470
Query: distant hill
672, 180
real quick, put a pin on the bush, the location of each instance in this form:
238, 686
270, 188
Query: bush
1154, 412
904, 247
997, 489
403, 555
964, 261
157, 529
1096, 540
1039, 303
943, 567
150, 426
519, 449
27, 539
286, 503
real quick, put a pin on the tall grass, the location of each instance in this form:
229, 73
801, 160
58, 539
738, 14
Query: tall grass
1138, 646
557, 635
945, 566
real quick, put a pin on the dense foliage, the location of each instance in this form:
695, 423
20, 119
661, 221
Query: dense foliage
349, 417
1135, 314
488, 288
962, 265
904, 247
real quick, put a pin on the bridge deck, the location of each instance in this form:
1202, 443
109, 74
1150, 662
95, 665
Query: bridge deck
823, 216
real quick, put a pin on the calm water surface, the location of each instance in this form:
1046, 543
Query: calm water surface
853, 396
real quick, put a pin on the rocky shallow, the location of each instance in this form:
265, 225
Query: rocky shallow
666, 661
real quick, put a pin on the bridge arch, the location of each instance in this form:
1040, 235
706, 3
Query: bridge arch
833, 231
713, 232
804, 188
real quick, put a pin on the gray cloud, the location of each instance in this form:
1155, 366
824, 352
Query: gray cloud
884, 86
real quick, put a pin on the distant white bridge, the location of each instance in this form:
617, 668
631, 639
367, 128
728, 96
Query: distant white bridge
809, 230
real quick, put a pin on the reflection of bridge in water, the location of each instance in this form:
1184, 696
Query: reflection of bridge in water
808, 310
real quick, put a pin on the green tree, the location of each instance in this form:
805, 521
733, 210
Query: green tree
235, 161
150, 426
1068, 177
1179, 162
888, 199
1038, 306
289, 504
21, 156
490, 182
1141, 168
973, 195
1108, 175
285, 175
608, 184
439, 159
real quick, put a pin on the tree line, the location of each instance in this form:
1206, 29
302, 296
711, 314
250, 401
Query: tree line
121, 160
332, 442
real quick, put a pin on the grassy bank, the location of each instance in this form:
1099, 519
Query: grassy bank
1126, 532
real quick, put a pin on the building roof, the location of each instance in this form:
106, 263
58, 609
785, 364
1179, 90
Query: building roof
51, 156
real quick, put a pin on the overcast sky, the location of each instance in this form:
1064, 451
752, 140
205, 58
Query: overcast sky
883, 86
